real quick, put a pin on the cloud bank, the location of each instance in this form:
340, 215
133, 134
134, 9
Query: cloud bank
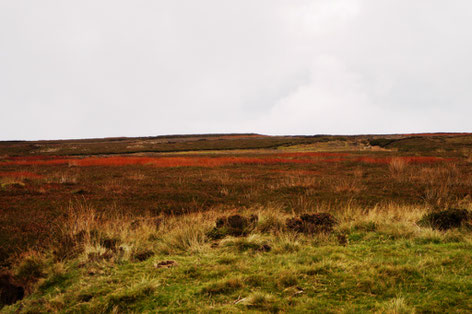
74, 69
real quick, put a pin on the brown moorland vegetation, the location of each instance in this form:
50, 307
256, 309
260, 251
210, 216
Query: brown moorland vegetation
206, 177
35, 188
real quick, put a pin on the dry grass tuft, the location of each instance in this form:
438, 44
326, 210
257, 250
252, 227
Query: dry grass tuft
438, 182
65, 177
103, 235
397, 166
185, 233
347, 185
392, 219
136, 176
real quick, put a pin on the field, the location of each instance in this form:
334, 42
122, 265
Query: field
144, 224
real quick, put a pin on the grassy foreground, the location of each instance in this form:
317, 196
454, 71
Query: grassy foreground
376, 260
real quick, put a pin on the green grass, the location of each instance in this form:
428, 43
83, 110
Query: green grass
388, 270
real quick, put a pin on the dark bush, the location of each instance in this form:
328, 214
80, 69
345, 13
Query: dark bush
310, 224
9, 292
31, 269
66, 247
446, 219
143, 255
110, 243
382, 142
265, 248
235, 225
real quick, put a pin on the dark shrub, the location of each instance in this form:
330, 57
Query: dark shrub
9, 292
67, 246
143, 255
310, 224
110, 243
382, 142
30, 269
446, 219
235, 225
265, 248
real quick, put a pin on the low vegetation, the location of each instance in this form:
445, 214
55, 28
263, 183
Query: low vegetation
369, 260
293, 228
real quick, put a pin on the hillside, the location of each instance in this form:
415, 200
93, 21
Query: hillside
237, 223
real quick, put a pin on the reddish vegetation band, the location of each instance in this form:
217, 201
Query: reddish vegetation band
20, 174
216, 161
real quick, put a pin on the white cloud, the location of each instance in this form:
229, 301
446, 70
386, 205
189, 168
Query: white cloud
333, 100
111, 68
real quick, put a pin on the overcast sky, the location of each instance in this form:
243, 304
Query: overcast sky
99, 68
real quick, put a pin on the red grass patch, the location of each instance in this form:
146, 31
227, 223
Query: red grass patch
284, 158
182, 161
162, 161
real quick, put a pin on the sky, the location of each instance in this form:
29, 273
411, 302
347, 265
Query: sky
105, 68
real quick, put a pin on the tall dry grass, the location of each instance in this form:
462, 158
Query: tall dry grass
91, 233
347, 185
63, 177
113, 236
397, 166
293, 179
438, 181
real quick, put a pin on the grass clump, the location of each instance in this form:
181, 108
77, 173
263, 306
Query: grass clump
143, 255
396, 306
32, 268
447, 219
252, 243
234, 225
226, 286
127, 298
314, 223
183, 236
260, 301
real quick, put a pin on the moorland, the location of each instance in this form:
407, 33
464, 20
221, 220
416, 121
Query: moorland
237, 223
